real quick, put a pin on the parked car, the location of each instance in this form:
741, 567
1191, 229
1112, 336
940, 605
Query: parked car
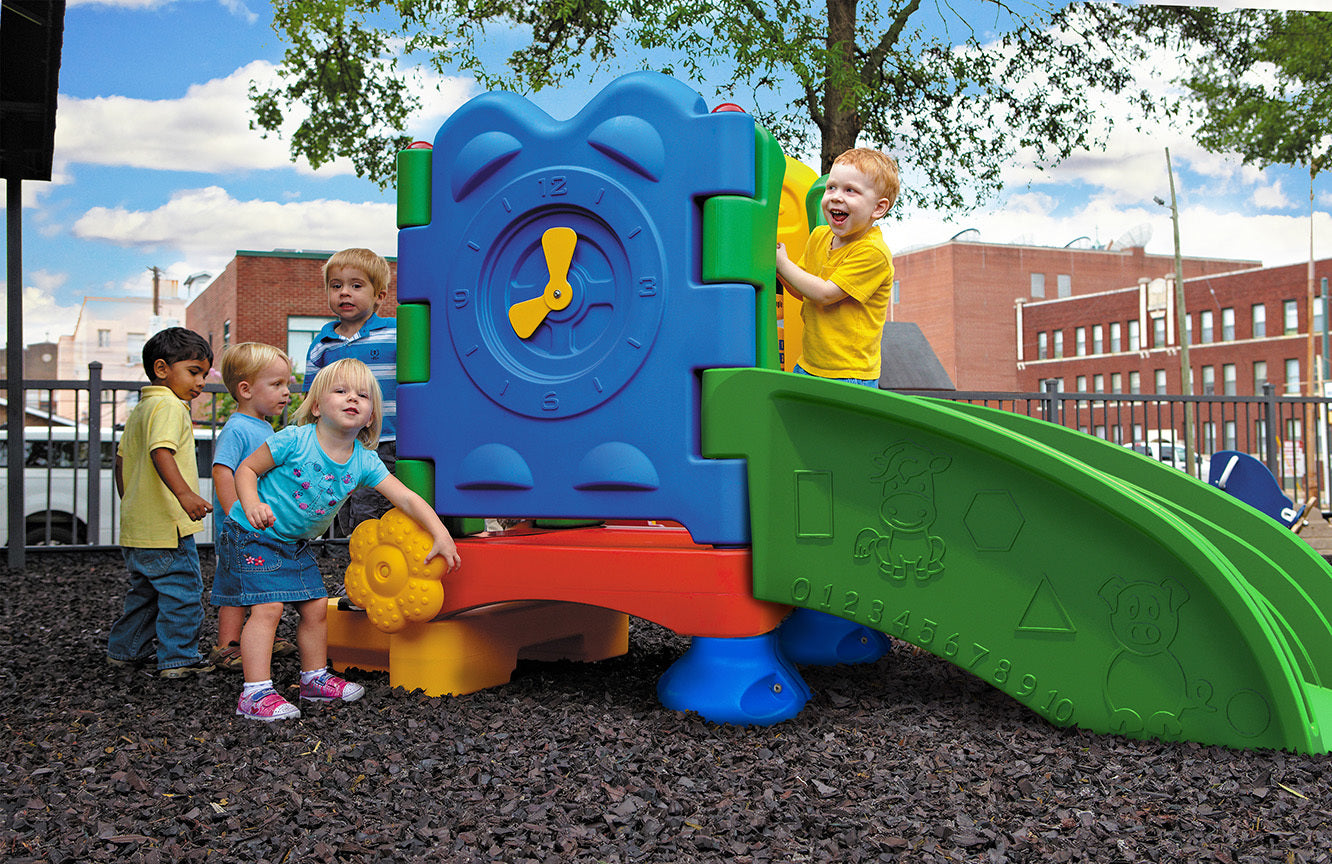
55, 485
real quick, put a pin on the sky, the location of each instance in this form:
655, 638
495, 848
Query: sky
156, 166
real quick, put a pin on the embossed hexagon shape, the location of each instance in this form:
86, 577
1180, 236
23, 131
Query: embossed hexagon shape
993, 520
388, 575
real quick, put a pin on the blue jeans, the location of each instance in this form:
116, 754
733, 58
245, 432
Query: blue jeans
165, 602
863, 382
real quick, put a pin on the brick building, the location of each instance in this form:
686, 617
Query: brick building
962, 294
274, 297
1244, 329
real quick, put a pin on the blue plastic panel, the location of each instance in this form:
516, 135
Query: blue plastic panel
595, 414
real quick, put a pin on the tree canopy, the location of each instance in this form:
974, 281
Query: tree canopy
954, 104
1257, 82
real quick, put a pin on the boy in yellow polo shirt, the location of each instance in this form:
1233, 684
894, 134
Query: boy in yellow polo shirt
845, 275
157, 478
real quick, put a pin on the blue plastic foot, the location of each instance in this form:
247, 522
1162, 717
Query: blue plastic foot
813, 638
744, 681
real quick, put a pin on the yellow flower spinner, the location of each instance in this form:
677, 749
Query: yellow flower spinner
388, 575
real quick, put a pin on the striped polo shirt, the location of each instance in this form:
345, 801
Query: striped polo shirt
375, 345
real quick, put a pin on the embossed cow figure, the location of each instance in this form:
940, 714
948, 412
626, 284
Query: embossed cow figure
905, 548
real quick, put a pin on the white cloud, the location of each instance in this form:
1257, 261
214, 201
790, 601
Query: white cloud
207, 129
207, 225
43, 318
235, 7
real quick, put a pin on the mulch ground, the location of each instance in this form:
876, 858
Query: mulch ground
907, 759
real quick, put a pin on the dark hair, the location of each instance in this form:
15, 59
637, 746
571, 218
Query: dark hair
173, 345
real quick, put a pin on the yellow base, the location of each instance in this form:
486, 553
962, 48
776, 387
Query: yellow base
476, 649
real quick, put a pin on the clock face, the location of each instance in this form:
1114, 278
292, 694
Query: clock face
558, 295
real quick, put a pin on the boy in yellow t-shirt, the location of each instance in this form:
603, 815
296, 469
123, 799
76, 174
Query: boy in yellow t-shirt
157, 478
845, 275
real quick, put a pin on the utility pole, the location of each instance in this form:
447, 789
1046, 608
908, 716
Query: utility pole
1182, 318
157, 302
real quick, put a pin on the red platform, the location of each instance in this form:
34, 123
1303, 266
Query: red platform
654, 572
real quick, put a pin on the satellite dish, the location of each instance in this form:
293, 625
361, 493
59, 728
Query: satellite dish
1083, 242
967, 235
1134, 238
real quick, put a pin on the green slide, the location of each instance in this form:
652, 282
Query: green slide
1100, 589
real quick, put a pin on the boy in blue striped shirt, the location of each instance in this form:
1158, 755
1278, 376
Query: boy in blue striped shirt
356, 282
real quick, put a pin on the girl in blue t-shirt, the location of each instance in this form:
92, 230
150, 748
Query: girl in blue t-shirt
288, 492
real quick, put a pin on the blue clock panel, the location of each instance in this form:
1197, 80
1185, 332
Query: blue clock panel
568, 319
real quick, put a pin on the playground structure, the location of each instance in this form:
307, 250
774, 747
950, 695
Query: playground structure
588, 331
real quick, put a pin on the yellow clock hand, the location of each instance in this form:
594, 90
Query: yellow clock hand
558, 246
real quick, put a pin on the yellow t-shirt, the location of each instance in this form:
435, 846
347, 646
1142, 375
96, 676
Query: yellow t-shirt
150, 516
842, 340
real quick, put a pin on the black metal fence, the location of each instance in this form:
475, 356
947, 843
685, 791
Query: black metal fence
67, 496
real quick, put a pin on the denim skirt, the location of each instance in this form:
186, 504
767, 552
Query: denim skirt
253, 568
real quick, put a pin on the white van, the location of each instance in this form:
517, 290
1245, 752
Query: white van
55, 485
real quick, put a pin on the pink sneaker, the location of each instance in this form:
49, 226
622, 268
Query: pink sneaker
266, 705
330, 688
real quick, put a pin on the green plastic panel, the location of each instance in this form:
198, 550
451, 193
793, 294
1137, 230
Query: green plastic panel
413, 342
417, 475
413, 187
814, 203
740, 240
1095, 601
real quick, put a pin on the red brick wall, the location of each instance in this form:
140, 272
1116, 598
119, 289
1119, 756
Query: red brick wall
962, 295
257, 292
1240, 291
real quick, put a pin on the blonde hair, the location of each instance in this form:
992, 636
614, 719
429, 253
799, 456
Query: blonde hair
244, 360
880, 168
352, 373
368, 262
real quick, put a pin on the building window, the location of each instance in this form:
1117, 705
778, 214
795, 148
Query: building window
1082, 383
1098, 338
1115, 344
1292, 317
1188, 329
1228, 324
1099, 431
1160, 381
1318, 315
897, 291
301, 330
1205, 326
1228, 379
103, 338
1259, 376
1098, 384
1038, 285
1080, 338
1134, 344
1065, 285
1209, 380
1135, 382
1116, 382
1259, 320
1158, 332
1231, 433
1208, 437
1058, 344
134, 348
226, 333
1293, 376
1042, 345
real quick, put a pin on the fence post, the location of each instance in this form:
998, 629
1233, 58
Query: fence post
94, 453
1050, 400
1270, 428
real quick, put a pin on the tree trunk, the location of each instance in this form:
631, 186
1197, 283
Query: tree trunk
841, 124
